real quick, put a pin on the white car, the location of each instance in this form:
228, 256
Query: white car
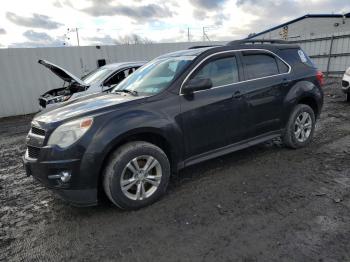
346, 84
102, 79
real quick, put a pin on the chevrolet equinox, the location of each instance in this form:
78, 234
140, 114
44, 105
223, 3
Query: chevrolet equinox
180, 109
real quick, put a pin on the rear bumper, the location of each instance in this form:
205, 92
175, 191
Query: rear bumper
70, 191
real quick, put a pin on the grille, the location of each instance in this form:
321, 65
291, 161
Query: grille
33, 152
37, 131
345, 83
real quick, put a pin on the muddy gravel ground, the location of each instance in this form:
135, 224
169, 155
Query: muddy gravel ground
266, 203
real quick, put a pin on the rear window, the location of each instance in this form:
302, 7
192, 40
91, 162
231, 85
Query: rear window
259, 65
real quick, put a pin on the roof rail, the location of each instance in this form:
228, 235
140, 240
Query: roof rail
257, 41
202, 46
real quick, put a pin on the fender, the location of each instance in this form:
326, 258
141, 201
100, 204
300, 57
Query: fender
117, 128
300, 91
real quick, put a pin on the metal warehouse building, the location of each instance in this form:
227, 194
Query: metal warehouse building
325, 37
308, 26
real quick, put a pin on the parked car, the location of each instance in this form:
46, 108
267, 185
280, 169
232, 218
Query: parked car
99, 80
178, 110
346, 84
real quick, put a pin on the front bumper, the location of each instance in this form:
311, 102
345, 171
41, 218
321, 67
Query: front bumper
71, 191
346, 84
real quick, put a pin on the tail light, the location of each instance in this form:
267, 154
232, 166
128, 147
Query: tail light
320, 77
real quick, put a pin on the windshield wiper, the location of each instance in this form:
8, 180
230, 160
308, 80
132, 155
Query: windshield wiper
131, 92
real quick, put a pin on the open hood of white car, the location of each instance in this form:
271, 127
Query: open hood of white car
61, 73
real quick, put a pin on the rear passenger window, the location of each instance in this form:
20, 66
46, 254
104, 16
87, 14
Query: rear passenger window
222, 71
259, 65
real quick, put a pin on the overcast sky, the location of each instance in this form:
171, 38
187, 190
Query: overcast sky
31, 23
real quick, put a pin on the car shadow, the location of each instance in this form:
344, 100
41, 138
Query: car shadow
190, 175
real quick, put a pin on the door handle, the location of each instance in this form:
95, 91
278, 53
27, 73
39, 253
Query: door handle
286, 82
237, 94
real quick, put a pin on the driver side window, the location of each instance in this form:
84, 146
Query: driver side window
221, 71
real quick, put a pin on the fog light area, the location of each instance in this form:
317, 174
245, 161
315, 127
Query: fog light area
65, 176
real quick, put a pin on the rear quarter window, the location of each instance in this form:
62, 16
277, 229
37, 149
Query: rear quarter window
297, 56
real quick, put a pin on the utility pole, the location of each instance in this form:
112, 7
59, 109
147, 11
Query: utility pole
71, 30
76, 30
188, 34
205, 36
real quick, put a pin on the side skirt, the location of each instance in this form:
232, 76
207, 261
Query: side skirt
231, 148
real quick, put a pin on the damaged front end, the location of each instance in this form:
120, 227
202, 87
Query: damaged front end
62, 94
59, 95
54, 96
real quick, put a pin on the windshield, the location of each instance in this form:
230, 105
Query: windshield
96, 75
155, 76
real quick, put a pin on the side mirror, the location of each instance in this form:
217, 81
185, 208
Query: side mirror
197, 84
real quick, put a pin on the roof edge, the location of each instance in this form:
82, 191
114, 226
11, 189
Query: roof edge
301, 18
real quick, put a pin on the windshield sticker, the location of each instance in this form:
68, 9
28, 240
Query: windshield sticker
302, 56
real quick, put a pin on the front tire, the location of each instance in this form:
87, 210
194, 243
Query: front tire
300, 127
137, 174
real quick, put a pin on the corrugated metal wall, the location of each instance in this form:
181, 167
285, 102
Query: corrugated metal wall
22, 79
331, 52
326, 40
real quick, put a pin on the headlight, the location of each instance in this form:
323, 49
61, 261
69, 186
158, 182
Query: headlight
66, 134
347, 72
59, 99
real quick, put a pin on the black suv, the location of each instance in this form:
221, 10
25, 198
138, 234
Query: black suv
177, 110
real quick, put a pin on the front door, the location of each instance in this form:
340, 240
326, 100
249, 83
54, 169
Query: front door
212, 119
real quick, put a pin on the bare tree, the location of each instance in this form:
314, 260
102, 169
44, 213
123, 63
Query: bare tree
133, 39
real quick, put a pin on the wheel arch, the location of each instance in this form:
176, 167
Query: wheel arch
305, 92
151, 135
311, 102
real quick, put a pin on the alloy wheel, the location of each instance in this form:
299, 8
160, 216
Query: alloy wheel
141, 177
303, 127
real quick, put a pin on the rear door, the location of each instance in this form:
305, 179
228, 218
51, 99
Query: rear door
266, 80
212, 118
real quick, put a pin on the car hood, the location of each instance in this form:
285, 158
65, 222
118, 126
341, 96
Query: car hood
82, 106
62, 73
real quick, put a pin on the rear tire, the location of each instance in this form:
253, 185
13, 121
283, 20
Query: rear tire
300, 127
137, 175
347, 97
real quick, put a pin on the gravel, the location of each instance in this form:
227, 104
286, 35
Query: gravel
265, 203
